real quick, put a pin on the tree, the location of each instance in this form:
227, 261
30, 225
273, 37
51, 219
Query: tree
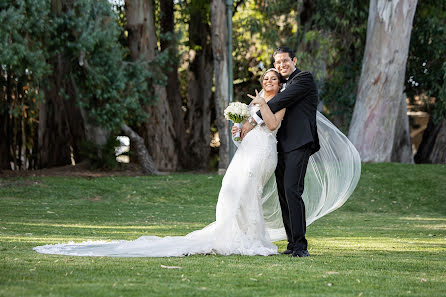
158, 131
425, 77
200, 81
105, 90
379, 127
169, 44
65, 79
432, 147
61, 125
338, 27
23, 65
219, 49
144, 158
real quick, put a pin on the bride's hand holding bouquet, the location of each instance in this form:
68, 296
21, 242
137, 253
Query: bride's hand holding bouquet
237, 112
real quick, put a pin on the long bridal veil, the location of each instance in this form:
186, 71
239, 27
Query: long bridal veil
332, 175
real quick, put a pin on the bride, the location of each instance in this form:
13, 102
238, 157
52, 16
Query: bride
248, 216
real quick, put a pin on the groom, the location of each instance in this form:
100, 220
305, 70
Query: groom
297, 141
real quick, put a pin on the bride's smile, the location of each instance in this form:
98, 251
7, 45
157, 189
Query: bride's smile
270, 82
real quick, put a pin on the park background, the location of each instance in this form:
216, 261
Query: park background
75, 75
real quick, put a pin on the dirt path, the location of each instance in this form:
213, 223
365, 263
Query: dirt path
80, 170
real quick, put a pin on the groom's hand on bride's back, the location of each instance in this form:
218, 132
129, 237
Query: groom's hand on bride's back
245, 129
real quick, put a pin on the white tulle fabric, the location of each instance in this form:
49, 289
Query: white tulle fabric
332, 175
248, 216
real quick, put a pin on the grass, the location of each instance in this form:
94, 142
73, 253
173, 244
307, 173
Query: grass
389, 239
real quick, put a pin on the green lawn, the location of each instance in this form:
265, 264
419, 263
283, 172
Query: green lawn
389, 239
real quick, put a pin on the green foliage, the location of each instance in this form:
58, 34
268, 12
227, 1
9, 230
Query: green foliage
388, 240
23, 31
329, 39
426, 65
74, 48
338, 93
257, 30
111, 89
344, 24
22, 54
85, 35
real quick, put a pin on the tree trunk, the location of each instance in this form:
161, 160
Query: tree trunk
173, 82
374, 129
158, 131
5, 130
432, 147
61, 128
144, 158
93, 133
219, 39
141, 29
4, 142
54, 140
402, 147
159, 134
200, 92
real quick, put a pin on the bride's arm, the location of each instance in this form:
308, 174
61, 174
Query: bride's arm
272, 120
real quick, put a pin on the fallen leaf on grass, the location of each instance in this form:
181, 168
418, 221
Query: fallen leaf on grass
171, 267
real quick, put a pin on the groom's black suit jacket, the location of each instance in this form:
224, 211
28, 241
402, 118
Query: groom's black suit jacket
300, 98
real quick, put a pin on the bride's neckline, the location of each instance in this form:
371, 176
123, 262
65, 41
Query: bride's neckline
269, 97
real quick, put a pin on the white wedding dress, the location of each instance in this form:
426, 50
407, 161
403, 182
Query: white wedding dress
248, 216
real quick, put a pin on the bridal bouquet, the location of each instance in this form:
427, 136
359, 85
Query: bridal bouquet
237, 112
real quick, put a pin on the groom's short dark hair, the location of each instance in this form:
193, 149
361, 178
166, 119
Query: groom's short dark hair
283, 49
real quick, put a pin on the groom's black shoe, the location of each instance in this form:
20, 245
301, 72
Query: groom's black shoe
300, 253
287, 252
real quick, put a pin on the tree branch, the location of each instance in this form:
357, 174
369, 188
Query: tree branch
237, 3
144, 158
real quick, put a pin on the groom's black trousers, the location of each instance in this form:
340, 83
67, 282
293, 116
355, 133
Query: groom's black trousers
290, 176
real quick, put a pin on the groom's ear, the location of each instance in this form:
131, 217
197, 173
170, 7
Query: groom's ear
295, 61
